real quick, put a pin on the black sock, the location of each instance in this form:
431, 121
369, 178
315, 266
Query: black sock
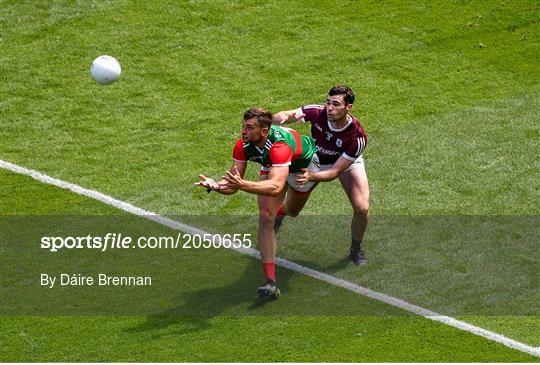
356, 245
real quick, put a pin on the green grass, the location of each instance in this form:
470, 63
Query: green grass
193, 314
190, 71
518, 328
253, 339
448, 92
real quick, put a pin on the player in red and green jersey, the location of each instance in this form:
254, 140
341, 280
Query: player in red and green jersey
282, 153
279, 144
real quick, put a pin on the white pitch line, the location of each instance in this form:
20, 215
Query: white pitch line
426, 313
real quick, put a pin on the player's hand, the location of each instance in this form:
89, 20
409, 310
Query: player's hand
207, 183
279, 118
302, 177
234, 180
283, 117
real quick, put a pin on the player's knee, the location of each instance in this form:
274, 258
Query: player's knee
266, 214
361, 208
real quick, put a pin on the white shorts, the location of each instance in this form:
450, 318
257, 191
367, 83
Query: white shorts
357, 164
291, 178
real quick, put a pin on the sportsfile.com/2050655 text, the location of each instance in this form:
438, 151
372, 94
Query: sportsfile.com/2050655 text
120, 241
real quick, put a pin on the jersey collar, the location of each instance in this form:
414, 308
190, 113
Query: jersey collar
349, 121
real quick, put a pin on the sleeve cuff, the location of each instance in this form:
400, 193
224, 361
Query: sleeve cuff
345, 156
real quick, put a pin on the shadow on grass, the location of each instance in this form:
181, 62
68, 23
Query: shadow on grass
340, 264
197, 308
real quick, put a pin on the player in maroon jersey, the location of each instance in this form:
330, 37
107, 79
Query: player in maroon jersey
341, 140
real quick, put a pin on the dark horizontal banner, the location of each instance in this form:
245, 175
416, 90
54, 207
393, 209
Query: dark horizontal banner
128, 265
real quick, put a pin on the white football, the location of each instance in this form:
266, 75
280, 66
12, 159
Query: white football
105, 70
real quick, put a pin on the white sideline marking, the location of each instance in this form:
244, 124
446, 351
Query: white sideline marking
426, 313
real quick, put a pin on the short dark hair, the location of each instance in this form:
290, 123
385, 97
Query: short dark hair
264, 117
348, 94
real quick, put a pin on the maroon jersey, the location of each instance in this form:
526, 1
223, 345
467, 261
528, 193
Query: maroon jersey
349, 141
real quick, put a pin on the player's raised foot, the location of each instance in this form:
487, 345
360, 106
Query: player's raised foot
269, 290
277, 222
357, 256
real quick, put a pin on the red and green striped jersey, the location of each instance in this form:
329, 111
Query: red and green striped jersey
283, 147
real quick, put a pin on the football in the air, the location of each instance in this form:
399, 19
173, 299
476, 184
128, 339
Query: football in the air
105, 70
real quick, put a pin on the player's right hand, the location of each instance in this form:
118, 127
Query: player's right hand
207, 183
302, 177
279, 118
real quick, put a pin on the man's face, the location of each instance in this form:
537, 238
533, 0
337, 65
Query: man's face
336, 107
252, 131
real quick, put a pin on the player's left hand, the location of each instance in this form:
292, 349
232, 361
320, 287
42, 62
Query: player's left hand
302, 177
234, 180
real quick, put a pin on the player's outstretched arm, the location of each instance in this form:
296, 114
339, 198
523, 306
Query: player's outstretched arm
288, 116
271, 186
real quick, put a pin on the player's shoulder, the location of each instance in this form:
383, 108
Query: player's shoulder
314, 112
279, 132
356, 127
280, 153
276, 133
313, 109
240, 143
239, 150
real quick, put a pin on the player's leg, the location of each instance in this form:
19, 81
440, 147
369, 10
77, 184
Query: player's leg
294, 202
268, 206
297, 196
292, 205
355, 183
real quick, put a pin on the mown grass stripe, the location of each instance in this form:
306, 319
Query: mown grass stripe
127, 207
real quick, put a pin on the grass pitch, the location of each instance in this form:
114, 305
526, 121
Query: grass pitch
205, 310
448, 93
